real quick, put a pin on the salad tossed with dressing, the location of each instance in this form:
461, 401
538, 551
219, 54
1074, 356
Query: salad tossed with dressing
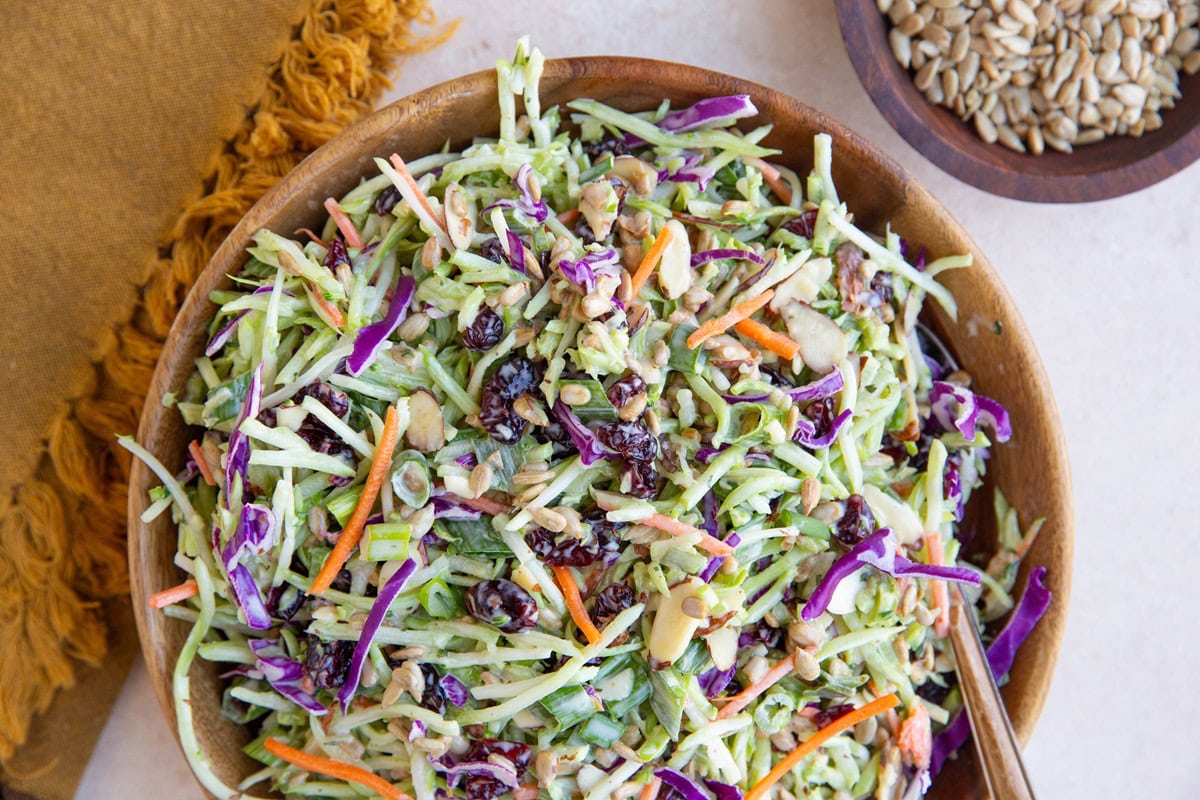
603, 459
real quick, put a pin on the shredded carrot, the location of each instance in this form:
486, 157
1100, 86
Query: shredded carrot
344, 224
676, 528
743, 698
308, 232
334, 769
651, 259
354, 527
411, 182
1027, 542
783, 346
568, 217
176, 594
566, 582
939, 594
330, 311
842, 723
485, 504
650, 790
201, 462
773, 179
915, 739
529, 791
733, 316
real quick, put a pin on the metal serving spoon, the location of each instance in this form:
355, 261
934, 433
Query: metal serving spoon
996, 745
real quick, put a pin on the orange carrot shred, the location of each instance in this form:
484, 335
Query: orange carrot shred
344, 223
333, 314
650, 260
842, 723
1027, 542
915, 738
939, 594
733, 316
485, 504
334, 769
783, 346
176, 594
772, 676
411, 183
568, 217
308, 232
676, 528
773, 179
650, 790
354, 527
201, 463
528, 791
566, 582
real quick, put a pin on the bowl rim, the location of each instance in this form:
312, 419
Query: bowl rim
572, 70
1023, 177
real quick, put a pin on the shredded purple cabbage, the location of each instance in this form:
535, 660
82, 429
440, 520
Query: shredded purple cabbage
879, 550
590, 448
706, 111
825, 386
454, 689
958, 408
707, 454
525, 205
714, 563
583, 273
446, 506
806, 432
516, 252
687, 788
714, 681
249, 598
379, 609
454, 773
372, 337
1000, 655
226, 333
237, 457
704, 256
723, 791
467, 460
255, 535
285, 675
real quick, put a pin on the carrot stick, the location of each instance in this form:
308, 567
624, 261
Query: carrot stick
485, 504
915, 737
842, 723
676, 528
566, 582
1028, 541
939, 595
419, 196
354, 527
307, 232
743, 698
733, 316
176, 594
777, 343
344, 224
325, 309
201, 462
528, 791
650, 790
334, 769
773, 179
651, 259
568, 217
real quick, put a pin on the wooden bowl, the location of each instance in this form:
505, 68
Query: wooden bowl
989, 337
1110, 168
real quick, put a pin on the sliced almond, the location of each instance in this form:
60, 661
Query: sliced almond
426, 430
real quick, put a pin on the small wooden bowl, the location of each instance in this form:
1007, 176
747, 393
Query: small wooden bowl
989, 337
1110, 168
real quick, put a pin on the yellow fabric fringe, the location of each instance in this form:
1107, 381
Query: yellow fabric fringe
63, 536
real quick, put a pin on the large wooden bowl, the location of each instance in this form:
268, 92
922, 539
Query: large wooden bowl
1110, 168
989, 337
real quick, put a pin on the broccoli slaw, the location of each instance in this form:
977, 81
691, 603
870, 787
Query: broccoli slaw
603, 458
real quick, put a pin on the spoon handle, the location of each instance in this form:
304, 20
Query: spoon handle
997, 747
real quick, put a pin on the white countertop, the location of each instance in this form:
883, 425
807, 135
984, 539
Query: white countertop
1107, 290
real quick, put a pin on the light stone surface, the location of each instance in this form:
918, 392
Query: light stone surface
1106, 289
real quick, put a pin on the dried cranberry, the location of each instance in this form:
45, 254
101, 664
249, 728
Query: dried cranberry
824, 716
641, 478
610, 601
933, 692
496, 414
822, 413
611, 145
336, 401
519, 376
328, 663
434, 696
803, 225
386, 200
268, 417
583, 230
284, 601
881, 286
337, 256
492, 250
852, 283
774, 376
894, 448
485, 331
566, 550
483, 787
519, 754
633, 440
625, 389
760, 633
856, 523
502, 603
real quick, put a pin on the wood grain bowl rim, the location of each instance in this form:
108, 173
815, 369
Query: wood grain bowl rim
1114, 167
639, 83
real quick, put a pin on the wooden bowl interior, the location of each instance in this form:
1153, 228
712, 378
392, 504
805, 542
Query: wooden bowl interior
1032, 468
1118, 165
